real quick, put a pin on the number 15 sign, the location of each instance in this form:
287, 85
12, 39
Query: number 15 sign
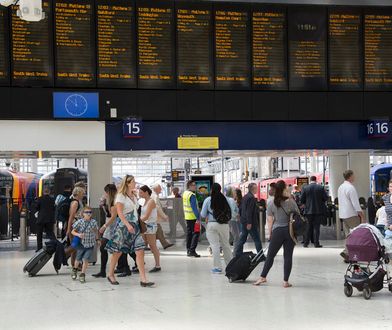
132, 129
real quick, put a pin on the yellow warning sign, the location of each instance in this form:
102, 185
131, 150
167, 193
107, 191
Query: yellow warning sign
188, 142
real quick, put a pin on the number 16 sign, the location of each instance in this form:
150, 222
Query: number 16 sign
132, 129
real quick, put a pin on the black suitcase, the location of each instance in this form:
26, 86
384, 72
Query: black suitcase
239, 268
39, 260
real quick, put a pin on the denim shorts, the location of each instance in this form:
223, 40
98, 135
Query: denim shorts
83, 253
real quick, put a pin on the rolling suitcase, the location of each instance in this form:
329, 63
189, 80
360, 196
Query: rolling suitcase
239, 268
39, 260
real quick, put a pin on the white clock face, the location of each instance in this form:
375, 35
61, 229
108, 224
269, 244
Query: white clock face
76, 105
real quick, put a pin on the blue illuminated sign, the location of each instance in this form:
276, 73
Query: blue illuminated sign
132, 128
378, 128
75, 105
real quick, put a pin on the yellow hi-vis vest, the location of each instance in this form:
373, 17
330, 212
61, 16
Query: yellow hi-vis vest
186, 202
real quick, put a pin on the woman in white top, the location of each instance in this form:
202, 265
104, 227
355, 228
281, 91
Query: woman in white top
126, 236
381, 216
149, 216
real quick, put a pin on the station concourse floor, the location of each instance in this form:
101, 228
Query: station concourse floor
188, 296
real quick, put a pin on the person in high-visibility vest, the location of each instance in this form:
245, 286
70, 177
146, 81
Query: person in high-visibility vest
192, 215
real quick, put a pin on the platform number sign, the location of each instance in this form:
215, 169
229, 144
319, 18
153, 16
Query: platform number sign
378, 128
132, 129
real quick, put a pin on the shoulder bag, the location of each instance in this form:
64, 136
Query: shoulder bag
298, 225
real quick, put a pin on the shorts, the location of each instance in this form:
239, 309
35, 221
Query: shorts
83, 253
151, 228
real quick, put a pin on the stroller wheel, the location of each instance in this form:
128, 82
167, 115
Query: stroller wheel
390, 287
367, 293
348, 290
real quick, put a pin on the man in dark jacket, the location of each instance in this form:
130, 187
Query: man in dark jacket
45, 222
249, 217
313, 196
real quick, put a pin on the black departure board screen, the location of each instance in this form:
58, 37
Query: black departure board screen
75, 43
378, 49
269, 48
194, 46
32, 50
4, 51
232, 48
156, 50
116, 47
345, 49
307, 48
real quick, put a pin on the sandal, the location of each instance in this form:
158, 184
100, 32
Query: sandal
261, 280
112, 282
287, 285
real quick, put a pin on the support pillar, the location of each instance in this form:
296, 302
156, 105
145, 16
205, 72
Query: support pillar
99, 175
360, 164
337, 165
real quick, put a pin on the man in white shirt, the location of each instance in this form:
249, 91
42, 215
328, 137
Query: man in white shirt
349, 209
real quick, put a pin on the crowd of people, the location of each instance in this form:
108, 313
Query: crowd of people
133, 219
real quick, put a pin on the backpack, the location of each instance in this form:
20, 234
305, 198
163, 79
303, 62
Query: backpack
222, 216
62, 209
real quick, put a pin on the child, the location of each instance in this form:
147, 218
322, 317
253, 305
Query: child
87, 230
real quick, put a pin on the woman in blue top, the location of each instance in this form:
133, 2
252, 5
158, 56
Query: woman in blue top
217, 212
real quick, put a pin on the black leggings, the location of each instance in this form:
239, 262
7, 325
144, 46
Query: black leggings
280, 236
123, 261
104, 255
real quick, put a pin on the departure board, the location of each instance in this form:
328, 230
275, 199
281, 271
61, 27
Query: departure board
194, 46
269, 48
75, 43
345, 49
4, 57
232, 51
378, 50
116, 47
155, 26
31, 50
307, 48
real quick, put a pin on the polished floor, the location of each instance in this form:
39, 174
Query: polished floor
188, 296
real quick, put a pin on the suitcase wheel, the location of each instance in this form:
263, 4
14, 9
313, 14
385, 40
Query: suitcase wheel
230, 280
94, 263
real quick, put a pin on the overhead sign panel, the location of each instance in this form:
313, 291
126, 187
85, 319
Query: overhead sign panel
4, 49
194, 46
155, 26
345, 49
116, 43
269, 47
232, 51
32, 49
75, 43
378, 49
307, 48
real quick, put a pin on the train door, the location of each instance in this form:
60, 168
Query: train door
63, 177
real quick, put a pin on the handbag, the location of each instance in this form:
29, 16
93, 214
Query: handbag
298, 225
142, 226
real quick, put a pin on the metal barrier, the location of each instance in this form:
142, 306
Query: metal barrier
23, 230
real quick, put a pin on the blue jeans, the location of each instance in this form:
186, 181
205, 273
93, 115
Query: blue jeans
244, 236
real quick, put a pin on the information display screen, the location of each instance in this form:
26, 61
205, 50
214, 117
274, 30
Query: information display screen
232, 51
307, 48
75, 43
345, 49
32, 50
4, 51
269, 48
194, 46
156, 52
116, 46
378, 49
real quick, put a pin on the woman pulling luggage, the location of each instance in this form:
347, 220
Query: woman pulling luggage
278, 217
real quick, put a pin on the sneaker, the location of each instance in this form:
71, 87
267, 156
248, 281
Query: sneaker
74, 273
216, 271
194, 254
82, 278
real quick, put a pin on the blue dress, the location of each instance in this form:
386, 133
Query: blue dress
122, 240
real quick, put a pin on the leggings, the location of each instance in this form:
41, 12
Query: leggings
280, 237
104, 255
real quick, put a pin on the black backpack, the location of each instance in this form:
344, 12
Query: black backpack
62, 209
222, 216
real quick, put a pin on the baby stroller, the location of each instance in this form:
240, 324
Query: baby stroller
368, 262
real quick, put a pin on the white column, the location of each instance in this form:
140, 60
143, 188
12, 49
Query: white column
337, 165
99, 175
360, 164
